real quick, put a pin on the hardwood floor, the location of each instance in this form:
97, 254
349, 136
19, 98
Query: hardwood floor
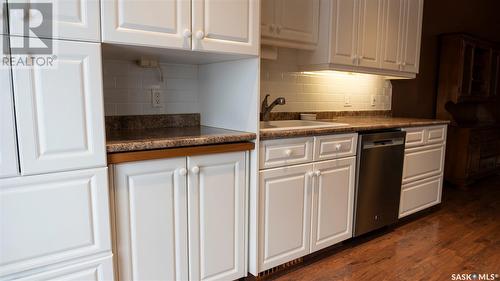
460, 236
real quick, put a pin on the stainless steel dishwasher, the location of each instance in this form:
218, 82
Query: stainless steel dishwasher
378, 179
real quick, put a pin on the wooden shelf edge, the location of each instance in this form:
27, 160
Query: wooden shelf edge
123, 157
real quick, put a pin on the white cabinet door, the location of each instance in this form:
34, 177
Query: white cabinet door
51, 218
226, 26
333, 199
217, 187
284, 214
392, 34
59, 111
412, 33
370, 33
151, 219
9, 165
100, 269
154, 23
297, 20
344, 32
70, 19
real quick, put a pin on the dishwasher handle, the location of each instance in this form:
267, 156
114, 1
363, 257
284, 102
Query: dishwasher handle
383, 143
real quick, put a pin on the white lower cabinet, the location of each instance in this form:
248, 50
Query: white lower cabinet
53, 218
307, 207
182, 218
422, 169
285, 206
333, 199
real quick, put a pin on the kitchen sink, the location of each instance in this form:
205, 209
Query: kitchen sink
296, 124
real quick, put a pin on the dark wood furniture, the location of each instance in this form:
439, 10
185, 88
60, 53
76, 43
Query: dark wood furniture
468, 95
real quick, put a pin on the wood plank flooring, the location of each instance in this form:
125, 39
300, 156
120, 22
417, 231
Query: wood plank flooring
460, 236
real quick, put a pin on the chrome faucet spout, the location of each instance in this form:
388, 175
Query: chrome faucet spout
265, 109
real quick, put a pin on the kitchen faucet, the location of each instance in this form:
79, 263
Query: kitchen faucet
265, 109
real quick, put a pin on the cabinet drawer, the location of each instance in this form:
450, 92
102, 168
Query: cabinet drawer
334, 146
100, 269
435, 135
420, 195
415, 137
423, 162
67, 218
281, 152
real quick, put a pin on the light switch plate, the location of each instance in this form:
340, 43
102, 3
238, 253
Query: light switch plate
373, 100
347, 100
155, 96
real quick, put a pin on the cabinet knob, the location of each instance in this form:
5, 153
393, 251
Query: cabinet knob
187, 33
403, 63
317, 173
278, 29
271, 28
200, 34
338, 147
288, 152
195, 170
182, 171
353, 59
310, 174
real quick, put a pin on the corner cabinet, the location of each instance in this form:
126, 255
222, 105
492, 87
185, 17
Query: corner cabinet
200, 25
182, 218
306, 204
61, 123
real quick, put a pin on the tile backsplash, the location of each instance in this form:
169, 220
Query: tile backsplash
321, 91
127, 88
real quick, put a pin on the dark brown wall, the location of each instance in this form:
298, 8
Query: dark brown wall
417, 97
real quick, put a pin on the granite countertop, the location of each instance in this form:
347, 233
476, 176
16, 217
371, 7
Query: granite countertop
158, 138
354, 124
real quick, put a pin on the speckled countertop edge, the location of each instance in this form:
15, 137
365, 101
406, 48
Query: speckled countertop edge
391, 123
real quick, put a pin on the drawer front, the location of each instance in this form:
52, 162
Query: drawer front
283, 152
420, 195
415, 137
67, 218
423, 162
335, 146
435, 134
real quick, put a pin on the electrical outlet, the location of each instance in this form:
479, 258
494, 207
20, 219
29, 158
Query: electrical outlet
155, 96
347, 100
373, 100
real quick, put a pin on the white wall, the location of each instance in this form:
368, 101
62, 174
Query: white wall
320, 91
127, 88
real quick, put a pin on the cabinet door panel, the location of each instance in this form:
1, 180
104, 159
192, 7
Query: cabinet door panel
151, 214
370, 33
268, 18
52, 218
154, 23
420, 195
226, 26
422, 162
71, 19
9, 165
392, 34
217, 187
412, 34
344, 33
285, 203
333, 199
60, 118
297, 20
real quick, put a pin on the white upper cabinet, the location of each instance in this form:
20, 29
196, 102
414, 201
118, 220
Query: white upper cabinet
402, 30
151, 220
59, 112
290, 23
369, 33
333, 199
412, 35
51, 218
284, 211
392, 34
154, 23
344, 31
9, 165
226, 26
217, 186
71, 19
